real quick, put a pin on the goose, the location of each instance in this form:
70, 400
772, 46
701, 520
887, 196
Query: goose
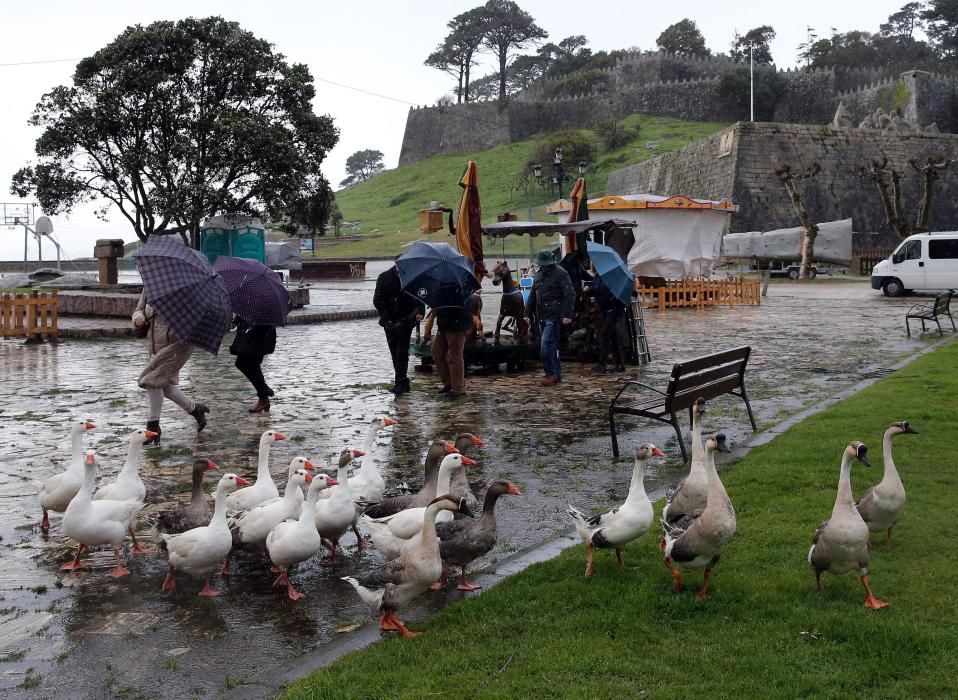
57, 491
128, 485
437, 450
333, 516
293, 541
196, 514
251, 527
368, 485
696, 541
617, 527
397, 583
882, 504
691, 493
459, 484
264, 488
92, 522
396, 533
198, 550
463, 541
840, 543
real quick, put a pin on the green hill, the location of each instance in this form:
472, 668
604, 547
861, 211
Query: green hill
387, 206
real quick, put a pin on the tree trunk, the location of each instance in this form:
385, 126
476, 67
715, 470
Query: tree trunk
901, 222
468, 73
503, 56
811, 230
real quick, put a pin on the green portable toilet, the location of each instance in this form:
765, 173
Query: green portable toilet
238, 236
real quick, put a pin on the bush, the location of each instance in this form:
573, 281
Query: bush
614, 134
400, 198
576, 147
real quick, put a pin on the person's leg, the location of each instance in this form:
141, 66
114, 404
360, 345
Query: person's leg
155, 397
252, 367
401, 358
455, 344
439, 352
617, 351
548, 348
176, 395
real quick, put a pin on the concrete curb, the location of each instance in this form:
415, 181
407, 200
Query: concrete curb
271, 683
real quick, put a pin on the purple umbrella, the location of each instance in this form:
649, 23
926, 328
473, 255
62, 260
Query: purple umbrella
185, 291
257, 293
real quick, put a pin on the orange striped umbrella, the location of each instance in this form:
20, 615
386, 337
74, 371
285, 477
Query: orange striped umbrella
579, 212
469, 226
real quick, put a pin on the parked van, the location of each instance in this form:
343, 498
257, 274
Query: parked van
922, 261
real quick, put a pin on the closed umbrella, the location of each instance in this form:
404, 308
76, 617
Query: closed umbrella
469, 225
436, 274
578, 212
613, 271
186, 292
257, 294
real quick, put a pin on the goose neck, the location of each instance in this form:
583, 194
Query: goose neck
429, 539
637, 485
891, 472
219, 508
197, 487
443, 480
262, 462
76, 450
844, 495
342, 477
132, 457
717, 495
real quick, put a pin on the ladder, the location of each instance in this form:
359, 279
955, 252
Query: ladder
639, 341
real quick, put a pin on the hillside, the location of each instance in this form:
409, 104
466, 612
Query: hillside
387, 206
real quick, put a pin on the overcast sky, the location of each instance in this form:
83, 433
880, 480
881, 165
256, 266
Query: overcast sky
377, 47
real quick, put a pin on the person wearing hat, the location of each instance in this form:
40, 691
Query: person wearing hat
552, 298
398, 314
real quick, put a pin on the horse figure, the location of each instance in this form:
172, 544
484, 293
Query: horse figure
512, 306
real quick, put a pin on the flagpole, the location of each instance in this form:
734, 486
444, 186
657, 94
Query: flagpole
751, 83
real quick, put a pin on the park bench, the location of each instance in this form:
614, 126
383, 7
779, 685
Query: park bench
708, 376
931, 312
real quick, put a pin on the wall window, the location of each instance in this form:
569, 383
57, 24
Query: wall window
943, 248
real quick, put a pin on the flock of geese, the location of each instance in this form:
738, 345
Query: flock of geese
422, 535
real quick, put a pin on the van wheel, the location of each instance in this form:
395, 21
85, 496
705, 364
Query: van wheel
793, 273
893, 288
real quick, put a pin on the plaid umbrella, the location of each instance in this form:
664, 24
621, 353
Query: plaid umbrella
436, 274
469, 225
257, 294
185, 291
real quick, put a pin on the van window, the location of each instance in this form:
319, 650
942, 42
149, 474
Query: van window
943, 248
911, 250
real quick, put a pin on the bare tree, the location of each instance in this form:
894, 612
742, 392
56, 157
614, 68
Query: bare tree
788, 178
895, 214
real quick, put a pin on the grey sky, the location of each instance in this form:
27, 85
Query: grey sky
373, 46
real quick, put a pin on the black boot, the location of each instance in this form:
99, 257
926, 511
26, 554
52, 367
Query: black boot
199, 413
402, 386
153, 426
600, 368
260, 406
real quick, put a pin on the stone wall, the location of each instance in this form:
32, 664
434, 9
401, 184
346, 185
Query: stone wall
747, 175
453, 129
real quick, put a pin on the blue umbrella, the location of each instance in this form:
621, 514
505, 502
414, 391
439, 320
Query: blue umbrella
436, 274
257, 294
614, 273
186, 292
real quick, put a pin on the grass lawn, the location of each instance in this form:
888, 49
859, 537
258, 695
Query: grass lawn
765, 631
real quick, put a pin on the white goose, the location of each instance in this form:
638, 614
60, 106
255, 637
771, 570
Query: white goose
367, 485
399, 582
128, 485
621, 525
691, 493
198, 551
57, 491
397, 533
92, 522
335, 514
881, 505
294, 541
840, 543
696, 541
251, 527
264, 488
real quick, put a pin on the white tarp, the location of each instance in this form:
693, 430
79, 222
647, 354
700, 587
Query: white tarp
833, 244
284, 256
677, 244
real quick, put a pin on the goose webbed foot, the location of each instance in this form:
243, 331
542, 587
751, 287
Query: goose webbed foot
618, 555
76, 563
465, 584
871, 601
703, 592
169, 583
208, 591
441, 583
45, 522
677, 584
589, 558
119, 570
888, 541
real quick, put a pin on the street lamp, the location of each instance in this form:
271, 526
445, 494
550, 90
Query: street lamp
559, 174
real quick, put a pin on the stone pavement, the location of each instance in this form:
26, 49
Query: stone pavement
108, 637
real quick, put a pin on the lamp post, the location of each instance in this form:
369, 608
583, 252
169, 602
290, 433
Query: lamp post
559, 174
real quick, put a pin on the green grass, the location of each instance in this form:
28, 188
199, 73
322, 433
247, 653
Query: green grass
765, 631
387, 205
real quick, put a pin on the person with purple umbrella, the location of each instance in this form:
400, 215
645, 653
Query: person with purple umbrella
251, 346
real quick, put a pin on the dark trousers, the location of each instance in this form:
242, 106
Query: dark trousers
397, 338
610, 336
251, 367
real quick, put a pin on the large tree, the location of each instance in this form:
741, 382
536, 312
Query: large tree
456, 54
758, 39
941, 25
178, 121
683, 38
902, 24
362, 165
508, 28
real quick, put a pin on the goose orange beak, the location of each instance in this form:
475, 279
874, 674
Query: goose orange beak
309, 479
656, 452
210, 464
451, 449
279, 436
477, 441
467, 460
150, 433
358, 453
90, 459
240, 481
309, 466
330, 481
389, 421
89, 425
514, 491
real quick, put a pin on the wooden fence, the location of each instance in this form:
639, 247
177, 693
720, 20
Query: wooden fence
701, 293
865, 260
32, 315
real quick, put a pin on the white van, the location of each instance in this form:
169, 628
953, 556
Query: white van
922, 261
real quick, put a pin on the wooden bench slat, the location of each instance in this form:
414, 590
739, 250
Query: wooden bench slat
732, 369
706, 361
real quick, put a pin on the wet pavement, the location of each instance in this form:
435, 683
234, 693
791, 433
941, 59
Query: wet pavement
86, 635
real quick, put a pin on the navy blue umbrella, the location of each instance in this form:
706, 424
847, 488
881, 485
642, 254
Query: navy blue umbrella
185, 291
257, 294
614, 273
437, 274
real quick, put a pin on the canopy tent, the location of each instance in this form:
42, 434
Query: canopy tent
534, 228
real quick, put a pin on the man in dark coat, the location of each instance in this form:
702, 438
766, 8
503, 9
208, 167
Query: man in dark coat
613, 311
553, 299
454, 323
398, 314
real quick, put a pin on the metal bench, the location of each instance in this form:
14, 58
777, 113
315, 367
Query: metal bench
708, 376
931, 312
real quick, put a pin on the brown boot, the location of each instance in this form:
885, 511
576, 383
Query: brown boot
260, 406
548, 380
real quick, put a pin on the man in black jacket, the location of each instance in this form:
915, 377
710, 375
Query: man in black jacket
553, 299
398, 314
